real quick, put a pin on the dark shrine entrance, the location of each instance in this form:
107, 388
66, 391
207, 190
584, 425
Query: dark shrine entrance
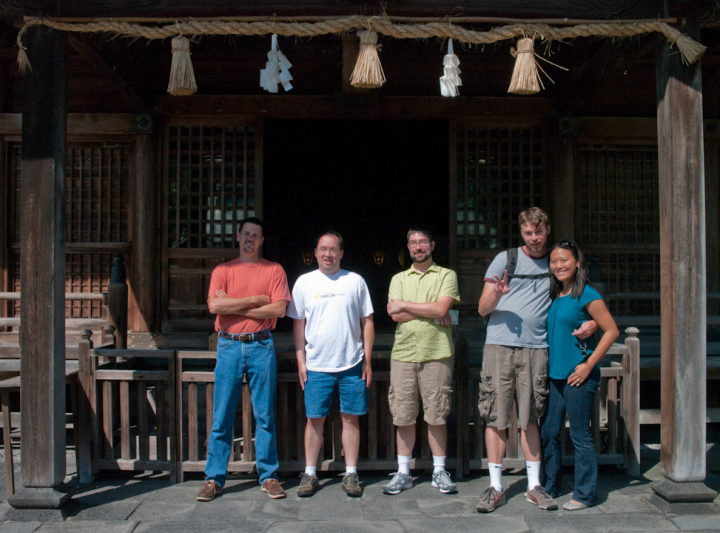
368, 180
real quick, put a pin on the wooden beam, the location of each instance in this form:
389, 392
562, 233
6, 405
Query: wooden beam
364, 106
144, 275
609, 62
80, 124
106, 68
682, 266
42, 337
296, 8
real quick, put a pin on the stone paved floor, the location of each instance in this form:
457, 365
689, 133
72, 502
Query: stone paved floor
149, 503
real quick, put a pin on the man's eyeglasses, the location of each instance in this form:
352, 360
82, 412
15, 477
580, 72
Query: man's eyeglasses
415, 244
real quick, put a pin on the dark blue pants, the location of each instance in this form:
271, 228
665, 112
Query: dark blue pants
577, 402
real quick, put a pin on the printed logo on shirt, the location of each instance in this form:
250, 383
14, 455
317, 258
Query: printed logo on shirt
330, 295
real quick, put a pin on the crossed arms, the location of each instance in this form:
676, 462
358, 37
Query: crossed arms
401, 311
258, 307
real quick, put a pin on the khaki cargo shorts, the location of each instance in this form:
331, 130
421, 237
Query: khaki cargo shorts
510, 371
432, 380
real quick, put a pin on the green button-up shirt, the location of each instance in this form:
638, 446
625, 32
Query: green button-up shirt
422, 340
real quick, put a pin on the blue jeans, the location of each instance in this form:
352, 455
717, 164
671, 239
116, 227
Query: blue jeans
578, 403
257, 360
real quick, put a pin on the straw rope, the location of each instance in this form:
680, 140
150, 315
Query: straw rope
690, 49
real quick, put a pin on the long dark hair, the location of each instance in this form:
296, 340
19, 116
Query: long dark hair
581, 277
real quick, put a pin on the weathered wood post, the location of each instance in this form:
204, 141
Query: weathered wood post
683, 278
42, 267
631, 401
118, 301
145, 255
86, 408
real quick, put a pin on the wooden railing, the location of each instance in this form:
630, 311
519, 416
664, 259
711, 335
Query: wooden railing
615, 426
195, 378
115, 415
124, 394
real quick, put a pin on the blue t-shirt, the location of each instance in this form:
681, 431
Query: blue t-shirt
565, 316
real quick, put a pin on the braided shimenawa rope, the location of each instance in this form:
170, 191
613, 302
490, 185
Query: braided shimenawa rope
690, 49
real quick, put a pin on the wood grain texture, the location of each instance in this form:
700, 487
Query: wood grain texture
145, 259
42, 336
682, 261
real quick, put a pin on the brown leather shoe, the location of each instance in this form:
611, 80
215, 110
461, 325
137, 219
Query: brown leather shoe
209, 491
273, 489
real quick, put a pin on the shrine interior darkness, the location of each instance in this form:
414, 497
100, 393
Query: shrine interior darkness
368, 180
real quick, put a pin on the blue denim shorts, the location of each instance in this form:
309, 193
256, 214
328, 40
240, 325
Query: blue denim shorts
350, 386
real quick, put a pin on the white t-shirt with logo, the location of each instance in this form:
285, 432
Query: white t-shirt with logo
332, 306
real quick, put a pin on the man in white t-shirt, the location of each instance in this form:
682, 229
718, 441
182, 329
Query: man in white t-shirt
333, 333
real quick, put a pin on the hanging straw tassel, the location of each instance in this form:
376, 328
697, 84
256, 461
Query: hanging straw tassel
368, 72
182, 76
450, 81
525, 78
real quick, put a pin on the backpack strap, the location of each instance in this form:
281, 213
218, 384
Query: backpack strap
511, 266
512, 260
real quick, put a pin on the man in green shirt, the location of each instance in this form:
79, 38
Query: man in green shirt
422, 358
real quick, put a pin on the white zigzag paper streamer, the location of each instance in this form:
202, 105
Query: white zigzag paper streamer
276, 70
450, 82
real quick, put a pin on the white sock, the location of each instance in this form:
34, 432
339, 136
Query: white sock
404, 464
438, 463
311, 470
496, 476
350, 470
533, 473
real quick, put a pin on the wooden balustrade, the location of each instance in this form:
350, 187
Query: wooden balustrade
614, 421
115, 415
124, 395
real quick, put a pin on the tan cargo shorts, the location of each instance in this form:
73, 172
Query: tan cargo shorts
432, 380
510, 371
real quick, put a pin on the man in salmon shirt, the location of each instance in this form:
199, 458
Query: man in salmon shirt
248, 295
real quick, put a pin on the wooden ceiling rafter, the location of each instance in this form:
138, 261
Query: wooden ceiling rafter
105, 67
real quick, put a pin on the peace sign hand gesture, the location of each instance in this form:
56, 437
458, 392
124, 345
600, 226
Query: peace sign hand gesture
502, 286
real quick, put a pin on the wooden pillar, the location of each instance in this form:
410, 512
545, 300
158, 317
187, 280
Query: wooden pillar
683, 278
42, 267
144, 293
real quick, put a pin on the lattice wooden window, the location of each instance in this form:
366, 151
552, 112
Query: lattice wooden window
97, 195
617, 197
617, 222
96, 189
211, 184
499, 174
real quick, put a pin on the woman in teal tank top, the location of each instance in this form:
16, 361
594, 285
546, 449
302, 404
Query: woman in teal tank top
574, 371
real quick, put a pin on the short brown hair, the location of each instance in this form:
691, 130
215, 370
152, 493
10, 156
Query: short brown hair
420, 229
534, 216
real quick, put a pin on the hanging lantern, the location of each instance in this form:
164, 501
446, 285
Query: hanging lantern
182, 76
307, 258
368, 72
276, 71
450, 81
379, 257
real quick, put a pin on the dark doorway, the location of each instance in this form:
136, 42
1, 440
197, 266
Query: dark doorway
368, 180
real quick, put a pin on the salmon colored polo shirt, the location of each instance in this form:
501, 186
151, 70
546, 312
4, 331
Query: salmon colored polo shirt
238, 280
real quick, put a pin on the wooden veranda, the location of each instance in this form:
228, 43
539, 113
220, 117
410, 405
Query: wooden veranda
96, 160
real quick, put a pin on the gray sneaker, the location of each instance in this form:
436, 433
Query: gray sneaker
490, 500
398, 483
442, 481
541, 498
